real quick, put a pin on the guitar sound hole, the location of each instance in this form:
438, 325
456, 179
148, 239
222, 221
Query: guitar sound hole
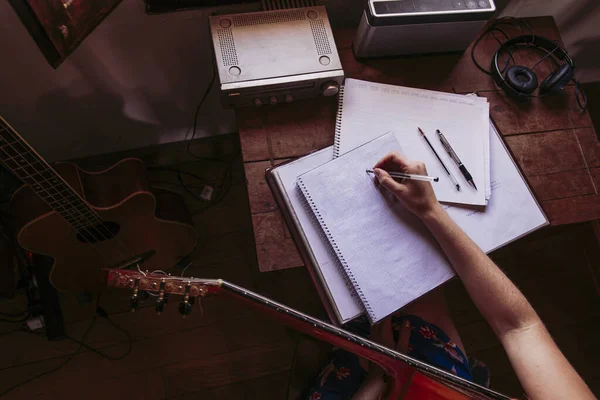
98, 233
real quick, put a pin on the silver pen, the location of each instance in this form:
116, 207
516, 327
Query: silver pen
401, 175
450, 175
455, 158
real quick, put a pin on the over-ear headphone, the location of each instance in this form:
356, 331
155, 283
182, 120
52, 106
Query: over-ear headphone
519, 81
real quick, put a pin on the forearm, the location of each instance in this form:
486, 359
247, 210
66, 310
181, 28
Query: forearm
371, 389
497, 298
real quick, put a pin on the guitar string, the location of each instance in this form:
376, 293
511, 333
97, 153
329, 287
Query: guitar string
63, 202
79, 199
37, 172
65, 210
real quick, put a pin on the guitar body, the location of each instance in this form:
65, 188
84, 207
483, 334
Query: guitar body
143, 219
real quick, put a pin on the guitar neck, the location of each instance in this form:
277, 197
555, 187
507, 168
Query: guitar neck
27, 165
400, 366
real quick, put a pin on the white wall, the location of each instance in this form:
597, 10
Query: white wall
135, 81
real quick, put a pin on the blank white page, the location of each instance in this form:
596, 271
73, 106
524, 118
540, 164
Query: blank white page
346, 303
372, 109
512, 211
388, 254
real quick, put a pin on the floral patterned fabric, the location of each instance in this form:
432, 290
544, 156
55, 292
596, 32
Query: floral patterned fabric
342, 377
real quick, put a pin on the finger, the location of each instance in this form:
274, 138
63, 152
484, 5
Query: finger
388, 182
393, 161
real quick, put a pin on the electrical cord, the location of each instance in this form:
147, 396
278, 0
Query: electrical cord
508, 21
22, 319
69, 358
195, 125
488, 31
102, 354
580, 96
100, 312
223, 188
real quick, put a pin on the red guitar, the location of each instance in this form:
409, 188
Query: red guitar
408, 378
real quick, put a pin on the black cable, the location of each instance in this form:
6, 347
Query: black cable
189, 141
580, 96
179, 171
223, 188
491, 29
101, 313
102, 354
10, 389
23, 319
549, 53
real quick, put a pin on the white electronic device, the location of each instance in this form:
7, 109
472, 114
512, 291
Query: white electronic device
272, 57
397, 27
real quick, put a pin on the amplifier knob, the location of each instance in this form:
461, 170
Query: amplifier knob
330, 88
288, 98
273, 100
258, 102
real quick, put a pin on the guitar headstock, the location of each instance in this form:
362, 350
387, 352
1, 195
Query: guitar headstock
143, 283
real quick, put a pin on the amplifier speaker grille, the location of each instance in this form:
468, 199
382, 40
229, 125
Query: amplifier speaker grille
268, 5
320, 35
268, 18
227, 46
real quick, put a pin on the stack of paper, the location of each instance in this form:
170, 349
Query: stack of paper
314, 192
371, 109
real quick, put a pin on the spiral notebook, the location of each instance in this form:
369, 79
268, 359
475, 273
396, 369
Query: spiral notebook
367, 110
336, 292
386, 252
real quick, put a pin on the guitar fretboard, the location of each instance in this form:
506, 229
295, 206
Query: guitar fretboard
18, 156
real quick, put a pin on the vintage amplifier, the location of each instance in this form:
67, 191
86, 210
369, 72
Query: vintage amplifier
397, 27
272, 57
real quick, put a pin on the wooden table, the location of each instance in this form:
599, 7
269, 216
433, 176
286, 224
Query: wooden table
553, 142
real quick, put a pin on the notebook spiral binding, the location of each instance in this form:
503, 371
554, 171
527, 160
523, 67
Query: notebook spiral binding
325, 239
340, 257
338, 123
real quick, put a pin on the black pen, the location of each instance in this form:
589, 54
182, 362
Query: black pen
452, 178
454, 157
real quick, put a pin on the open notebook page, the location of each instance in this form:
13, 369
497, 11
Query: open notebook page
371, 109
347, 304
388, 254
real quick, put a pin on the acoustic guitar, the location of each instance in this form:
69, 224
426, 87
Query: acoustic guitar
87, 221
408, 378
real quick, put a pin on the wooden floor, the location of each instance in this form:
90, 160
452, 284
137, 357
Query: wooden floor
225, 351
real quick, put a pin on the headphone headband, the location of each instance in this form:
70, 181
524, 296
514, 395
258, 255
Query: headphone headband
540, 42
527, 41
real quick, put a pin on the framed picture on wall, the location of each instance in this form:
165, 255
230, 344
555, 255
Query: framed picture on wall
59, 26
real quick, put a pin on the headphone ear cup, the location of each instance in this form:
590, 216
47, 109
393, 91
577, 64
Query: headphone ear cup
557, 80
521, 79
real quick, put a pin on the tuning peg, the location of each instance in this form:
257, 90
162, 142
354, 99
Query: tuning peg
160, 305
185, 308
162, 297
135, 300
134, 303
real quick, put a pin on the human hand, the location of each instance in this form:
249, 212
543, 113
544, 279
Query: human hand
417, 196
